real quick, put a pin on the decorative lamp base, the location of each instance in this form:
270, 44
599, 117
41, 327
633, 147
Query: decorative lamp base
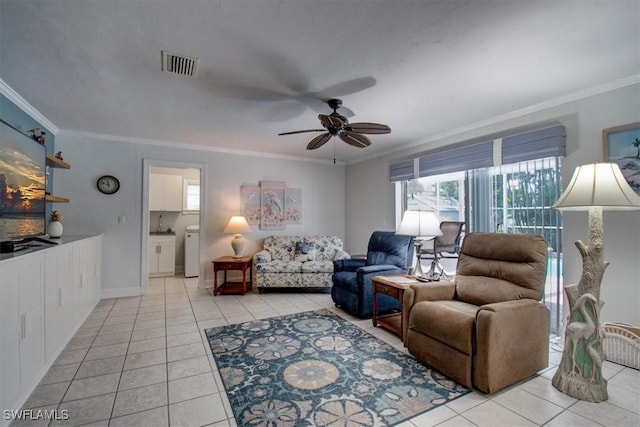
417, 271
579, 373
238, 245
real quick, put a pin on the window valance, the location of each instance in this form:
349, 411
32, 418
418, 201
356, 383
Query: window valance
536, 144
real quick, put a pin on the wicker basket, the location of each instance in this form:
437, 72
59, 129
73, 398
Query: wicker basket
622, 344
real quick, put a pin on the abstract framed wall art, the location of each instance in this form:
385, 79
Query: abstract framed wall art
621, 145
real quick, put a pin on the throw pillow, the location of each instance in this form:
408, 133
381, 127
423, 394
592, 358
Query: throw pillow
304, 252
309, 256
303, 248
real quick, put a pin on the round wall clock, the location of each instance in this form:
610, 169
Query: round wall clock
108, 184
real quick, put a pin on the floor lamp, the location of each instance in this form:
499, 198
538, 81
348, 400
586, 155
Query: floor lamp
420, 224
594, 187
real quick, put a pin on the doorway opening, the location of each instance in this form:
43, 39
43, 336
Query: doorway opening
172, 221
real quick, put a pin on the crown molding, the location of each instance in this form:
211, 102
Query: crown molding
172, 144
21, 103
555, 102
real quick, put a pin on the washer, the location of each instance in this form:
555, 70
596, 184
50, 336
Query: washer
192, 251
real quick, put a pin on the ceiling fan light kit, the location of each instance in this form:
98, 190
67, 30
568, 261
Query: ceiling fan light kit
335, 124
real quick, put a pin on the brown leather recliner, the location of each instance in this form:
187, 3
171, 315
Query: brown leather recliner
487, 329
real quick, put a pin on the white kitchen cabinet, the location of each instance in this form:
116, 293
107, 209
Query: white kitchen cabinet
22, 348
165, 192
9, 336
45, 296
61, 298
162, 255
86, 274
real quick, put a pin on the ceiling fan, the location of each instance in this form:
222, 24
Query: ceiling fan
337, 125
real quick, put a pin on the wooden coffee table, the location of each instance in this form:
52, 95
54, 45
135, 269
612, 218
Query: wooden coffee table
393, 286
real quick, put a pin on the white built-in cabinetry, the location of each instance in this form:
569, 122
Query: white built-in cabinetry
165, 192
162, 255
45, 296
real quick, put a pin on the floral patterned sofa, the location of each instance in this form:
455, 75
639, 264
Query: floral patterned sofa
297, 262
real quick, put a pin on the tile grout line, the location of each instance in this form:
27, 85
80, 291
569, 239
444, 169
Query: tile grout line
115, 397
58, 407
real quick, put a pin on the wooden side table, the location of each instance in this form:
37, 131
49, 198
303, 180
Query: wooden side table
227, 263
393, 286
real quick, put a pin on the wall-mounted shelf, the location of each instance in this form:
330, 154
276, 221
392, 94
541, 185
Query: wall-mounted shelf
55, 162
55, 199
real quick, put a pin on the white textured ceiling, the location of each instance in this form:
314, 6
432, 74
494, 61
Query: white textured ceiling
422, 67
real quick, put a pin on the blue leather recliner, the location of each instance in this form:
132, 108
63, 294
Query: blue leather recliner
387, 253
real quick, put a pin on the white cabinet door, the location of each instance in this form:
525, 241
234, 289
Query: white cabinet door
9, 335
31, 289
82, 272
165, 192
95, 270
167, 257
153, 256
59, 298
162, 256
173, 193
156, 192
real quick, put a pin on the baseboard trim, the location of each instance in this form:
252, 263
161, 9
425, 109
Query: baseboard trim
121, 293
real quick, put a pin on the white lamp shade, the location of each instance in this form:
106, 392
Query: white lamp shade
419, 224
598, 184
237, 225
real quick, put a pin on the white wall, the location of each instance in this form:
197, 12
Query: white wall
323, 199
370, 196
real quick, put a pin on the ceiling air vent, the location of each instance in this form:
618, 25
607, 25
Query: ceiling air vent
179, 64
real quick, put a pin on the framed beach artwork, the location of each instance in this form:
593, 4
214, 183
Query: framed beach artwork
621, 145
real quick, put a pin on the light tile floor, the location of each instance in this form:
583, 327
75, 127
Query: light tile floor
145, 361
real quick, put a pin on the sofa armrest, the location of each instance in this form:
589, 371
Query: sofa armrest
511, 336
431, 291
341, 254
262, 256
348, 264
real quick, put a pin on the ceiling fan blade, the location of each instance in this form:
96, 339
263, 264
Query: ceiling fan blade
302, 131
369, 128
350, 86
319, 141
330, 121
347, 112
355, 139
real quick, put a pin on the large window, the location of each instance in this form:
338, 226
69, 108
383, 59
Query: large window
514, 198
443, 194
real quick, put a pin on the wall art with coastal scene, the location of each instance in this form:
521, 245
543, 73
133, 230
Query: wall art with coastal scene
622, 146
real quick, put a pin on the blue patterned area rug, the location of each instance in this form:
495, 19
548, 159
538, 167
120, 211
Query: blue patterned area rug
317, 369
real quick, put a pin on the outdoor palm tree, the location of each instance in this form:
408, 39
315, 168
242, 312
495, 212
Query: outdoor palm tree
637, 145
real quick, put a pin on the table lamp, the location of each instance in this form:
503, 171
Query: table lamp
419, 224
594, 187
237, 225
